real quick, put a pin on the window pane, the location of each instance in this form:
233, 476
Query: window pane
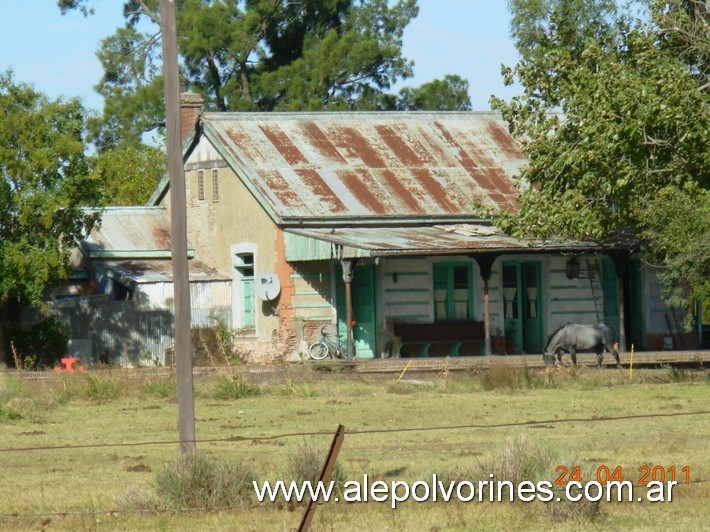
460, 277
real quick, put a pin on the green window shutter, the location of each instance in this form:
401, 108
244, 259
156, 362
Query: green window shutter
248, 302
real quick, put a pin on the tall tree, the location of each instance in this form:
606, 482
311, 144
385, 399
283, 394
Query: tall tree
449, 94
45, 180
262, 55
614, 119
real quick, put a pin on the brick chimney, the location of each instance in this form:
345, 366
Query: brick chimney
190, 109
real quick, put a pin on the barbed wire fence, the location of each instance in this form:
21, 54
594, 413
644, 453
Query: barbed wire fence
304, 434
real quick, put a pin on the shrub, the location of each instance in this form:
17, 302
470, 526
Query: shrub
214, 345
195, 481
43, 343
305, 463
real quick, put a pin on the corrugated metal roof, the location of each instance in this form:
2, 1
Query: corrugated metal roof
305, 166
154, 271
433, 239
130, 229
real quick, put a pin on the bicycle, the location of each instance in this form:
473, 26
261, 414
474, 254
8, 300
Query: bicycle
327, 346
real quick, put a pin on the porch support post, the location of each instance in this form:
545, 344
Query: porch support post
348, 270
485, 265
621, 262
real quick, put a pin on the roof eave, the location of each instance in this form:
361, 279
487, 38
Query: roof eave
133, 254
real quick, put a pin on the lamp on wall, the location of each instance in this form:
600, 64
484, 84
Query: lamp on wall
394, 277
572, 268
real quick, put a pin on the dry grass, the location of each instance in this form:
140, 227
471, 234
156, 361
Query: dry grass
120, 409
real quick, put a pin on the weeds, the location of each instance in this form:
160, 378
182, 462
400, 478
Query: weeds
678, 375
7, 414
506, 377
291, 389
231, 386
163, 388
520, 459
102, 388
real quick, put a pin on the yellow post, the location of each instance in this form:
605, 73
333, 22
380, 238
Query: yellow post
404, 370
631, 365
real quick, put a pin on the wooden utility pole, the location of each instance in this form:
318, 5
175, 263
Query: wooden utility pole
178, 229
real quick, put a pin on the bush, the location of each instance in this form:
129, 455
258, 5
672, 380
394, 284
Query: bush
194, 481
43, 343
305, 463
214, 346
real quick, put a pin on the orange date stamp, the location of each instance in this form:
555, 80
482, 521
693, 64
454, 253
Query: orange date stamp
642, 476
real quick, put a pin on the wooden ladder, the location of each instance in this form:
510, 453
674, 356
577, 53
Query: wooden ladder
595, 283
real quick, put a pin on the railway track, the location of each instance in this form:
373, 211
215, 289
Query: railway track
645, 359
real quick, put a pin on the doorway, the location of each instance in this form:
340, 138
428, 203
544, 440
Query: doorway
364, 308
523, 308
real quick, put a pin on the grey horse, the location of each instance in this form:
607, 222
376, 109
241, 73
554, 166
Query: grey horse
574, 338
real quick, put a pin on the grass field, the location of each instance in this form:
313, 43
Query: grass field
46, 485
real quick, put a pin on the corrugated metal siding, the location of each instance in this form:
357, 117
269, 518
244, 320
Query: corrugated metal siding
132, 336
303, 248
204, 296
346, 165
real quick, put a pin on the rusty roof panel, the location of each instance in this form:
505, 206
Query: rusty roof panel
131, 229
355, 165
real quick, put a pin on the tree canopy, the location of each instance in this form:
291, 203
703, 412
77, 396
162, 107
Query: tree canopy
614, 120
262, 55
45, 180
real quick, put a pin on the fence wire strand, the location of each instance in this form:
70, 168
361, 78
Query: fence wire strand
238, 439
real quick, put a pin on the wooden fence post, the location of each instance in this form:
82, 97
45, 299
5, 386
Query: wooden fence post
324, 476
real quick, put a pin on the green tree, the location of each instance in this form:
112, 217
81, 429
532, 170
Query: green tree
129, 173
45, 180
614, 120
262, 55
449, 94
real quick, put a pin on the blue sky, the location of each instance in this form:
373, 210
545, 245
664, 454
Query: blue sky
57, 54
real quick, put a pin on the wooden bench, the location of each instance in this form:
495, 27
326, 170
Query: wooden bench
440, 339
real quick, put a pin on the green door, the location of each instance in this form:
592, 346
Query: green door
532, 307
523, 309
364, 309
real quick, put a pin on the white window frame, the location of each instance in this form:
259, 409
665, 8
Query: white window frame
242, 248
